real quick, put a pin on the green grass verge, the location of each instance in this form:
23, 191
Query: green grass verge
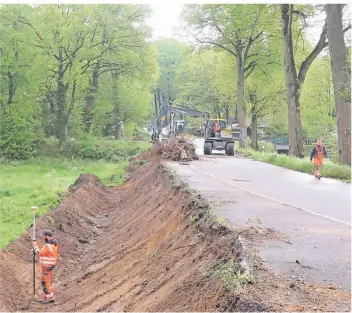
329, 169
43, 182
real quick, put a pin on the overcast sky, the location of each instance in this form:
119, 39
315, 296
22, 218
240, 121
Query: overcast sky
166, 18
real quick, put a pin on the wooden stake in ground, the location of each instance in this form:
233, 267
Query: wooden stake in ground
33, 208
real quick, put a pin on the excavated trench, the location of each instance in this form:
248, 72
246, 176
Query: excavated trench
149, 245
131, 248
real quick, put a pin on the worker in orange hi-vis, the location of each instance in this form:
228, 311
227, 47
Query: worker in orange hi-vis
217, 128
318, 154
48, 255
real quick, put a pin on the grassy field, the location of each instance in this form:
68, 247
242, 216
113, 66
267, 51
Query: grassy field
329, 169
43, 182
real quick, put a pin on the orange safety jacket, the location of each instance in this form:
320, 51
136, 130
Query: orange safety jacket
217, 127
48, 254
319, 152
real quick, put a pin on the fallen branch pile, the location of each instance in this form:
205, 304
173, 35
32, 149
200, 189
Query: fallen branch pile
176, 149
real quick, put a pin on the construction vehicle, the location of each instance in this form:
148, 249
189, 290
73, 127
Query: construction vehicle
220, 136
169, 122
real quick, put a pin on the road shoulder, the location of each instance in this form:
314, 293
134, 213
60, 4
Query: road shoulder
284, 260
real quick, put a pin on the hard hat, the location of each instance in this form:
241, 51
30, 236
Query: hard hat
47, 232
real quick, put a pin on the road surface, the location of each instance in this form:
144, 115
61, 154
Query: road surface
314, 216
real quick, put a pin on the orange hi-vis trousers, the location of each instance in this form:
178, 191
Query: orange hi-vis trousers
46, 275
318, 162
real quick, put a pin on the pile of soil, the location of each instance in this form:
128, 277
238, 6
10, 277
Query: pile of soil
143, 246
175, 149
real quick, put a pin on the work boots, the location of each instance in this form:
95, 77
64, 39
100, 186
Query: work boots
47, 298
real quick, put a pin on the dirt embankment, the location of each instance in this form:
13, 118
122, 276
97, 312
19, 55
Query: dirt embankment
131, 248
150, 245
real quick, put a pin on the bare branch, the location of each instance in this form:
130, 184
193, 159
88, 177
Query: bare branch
299, 13
250, 65
217, 44
322, 43
347, 28
85, 67
73, 94
26, 22
250, 71
119, 71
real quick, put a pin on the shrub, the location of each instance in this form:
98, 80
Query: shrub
95, 149
18, 148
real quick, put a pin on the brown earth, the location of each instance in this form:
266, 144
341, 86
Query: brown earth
175, 149
149, 245
130, 248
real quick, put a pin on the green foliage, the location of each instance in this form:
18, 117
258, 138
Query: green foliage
195, 79
78, 70
329, 169
108, 150
17, 148
317, 100
266, 147
233, 276
42, 182
170, 52
95, 149
69, 70
19, 132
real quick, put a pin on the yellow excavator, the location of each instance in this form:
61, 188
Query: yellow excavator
217, 134
220, 136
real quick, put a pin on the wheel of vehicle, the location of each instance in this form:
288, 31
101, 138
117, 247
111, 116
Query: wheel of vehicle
208, 148
230, 149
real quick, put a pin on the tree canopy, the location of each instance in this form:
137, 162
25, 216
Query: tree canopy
74, 70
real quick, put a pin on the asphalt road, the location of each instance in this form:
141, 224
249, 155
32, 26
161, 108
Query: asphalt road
314, 216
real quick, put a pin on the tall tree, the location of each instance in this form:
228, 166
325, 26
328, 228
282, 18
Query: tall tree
196, 82
61, 32
170, 53
19, 123
341, 74
317, 99
241, 30
117, 30
264, 92
294, 79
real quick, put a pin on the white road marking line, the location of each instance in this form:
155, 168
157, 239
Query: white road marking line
275, 200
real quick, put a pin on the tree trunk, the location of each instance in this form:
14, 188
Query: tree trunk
341, 79
118, 128
292, 85
236, 112
61, 95
117, 118
241, 111
227, 114
11, 88
62, 133
254, 133
90, 99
